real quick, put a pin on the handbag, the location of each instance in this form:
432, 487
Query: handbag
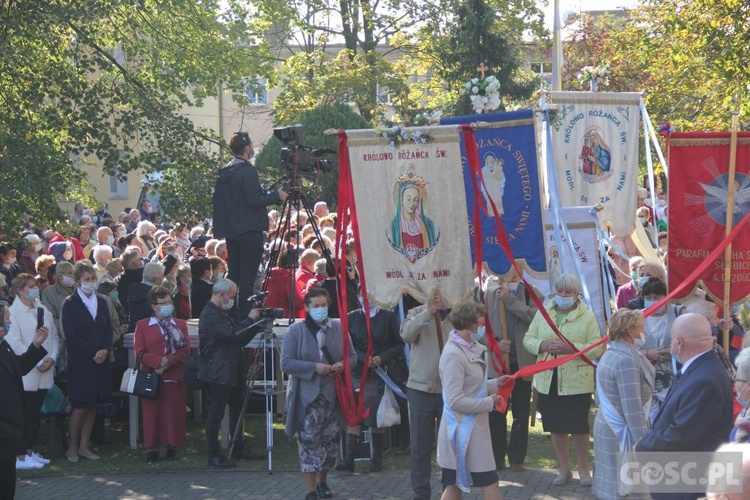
388, 411
142, 383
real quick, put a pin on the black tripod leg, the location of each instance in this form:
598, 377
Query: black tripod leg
240, 421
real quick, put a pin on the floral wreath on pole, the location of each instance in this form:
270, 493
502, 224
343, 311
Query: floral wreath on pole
484, 92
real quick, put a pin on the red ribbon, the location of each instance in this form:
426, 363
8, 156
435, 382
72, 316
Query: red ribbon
472, 156
354, 412
506, 387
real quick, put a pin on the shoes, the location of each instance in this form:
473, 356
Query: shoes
584, 478
350, 447
376, 464
38, 458
28, 464
517, 468
312, 495
171, 453
221, 462
89, 455
562, 478
246, 454
151, 457
73, 459
324, 491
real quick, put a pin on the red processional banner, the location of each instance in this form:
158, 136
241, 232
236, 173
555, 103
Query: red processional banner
698, 199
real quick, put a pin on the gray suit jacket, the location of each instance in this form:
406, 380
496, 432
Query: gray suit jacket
299, 355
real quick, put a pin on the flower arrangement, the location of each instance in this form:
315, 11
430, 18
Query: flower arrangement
427, 118
665, 129
484, 93
595, 76
398, 135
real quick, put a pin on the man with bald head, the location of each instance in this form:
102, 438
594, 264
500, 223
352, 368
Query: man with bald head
696, 414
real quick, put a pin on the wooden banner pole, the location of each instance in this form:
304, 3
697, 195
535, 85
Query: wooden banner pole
730, 223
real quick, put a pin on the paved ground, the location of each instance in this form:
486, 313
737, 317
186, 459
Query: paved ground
534, 484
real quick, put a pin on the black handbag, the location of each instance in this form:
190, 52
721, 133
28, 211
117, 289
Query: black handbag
142, 383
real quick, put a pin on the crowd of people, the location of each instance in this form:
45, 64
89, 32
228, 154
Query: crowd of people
72, 297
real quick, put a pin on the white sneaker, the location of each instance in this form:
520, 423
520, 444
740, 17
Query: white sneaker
38, 458
28, 464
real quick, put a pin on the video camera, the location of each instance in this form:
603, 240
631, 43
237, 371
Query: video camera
257, 302
298, 160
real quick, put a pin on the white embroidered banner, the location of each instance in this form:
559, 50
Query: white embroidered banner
411, 208
595, 152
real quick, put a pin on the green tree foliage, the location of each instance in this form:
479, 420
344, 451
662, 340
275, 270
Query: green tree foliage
315, 122
107, 81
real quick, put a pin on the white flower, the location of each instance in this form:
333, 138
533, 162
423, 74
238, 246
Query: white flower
392, 145
468, 85
475, 90
475, 81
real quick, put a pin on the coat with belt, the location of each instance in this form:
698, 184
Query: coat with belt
463, 372
579, 326
221, 340
12, 368
519, 311
20, 337
299, 356
88, 382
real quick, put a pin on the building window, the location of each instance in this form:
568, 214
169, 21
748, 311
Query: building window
541, 68
256, 92
118, 189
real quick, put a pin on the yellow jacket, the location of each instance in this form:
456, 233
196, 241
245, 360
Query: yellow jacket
580, 327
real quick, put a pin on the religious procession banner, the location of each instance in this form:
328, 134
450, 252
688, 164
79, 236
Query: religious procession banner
595, 153
410, 204
698, 199
582, 228
508, 155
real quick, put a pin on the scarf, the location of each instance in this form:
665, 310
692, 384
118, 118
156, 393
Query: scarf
172, 336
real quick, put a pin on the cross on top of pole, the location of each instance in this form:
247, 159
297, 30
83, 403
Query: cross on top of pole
483, 68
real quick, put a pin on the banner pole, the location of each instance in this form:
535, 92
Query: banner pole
730, 222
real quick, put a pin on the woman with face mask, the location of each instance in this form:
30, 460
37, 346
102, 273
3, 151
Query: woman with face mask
312, 354
164, 343
23, 328
464, 442
565, 392
741, 431
88, 340
624, 384
387, 348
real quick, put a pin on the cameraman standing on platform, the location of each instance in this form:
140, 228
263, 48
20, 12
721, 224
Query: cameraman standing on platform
241, 216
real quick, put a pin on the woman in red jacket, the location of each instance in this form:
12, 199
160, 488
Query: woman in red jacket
165, 343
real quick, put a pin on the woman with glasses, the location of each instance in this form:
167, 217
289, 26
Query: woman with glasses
164, 344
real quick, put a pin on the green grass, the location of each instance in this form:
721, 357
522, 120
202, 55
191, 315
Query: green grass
118, 457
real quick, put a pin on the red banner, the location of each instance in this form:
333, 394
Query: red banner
698, 198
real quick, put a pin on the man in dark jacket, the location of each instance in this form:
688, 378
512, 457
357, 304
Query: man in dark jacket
240, 215
222, 367
132, 263
12, 369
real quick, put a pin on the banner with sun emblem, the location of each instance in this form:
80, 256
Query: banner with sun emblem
508, 155
698, 198
410, 204
595, 152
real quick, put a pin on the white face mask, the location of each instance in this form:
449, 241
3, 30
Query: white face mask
512, 286
640, 341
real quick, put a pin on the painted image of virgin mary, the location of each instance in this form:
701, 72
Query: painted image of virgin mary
411, 228
595, 154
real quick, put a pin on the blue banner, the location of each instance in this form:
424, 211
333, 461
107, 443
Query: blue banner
508, 157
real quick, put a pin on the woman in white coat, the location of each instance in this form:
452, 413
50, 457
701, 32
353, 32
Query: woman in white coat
23, 316
464, 442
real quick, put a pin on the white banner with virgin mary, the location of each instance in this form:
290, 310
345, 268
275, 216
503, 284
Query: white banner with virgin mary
595, 153
411, 210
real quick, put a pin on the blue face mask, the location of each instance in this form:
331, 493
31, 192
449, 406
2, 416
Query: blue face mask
110, 240
33, 293
481, 333
634, 276
6, 327
114, 295
318, 314
642, 280
564, 302
745, 403
166, 310
648, 303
